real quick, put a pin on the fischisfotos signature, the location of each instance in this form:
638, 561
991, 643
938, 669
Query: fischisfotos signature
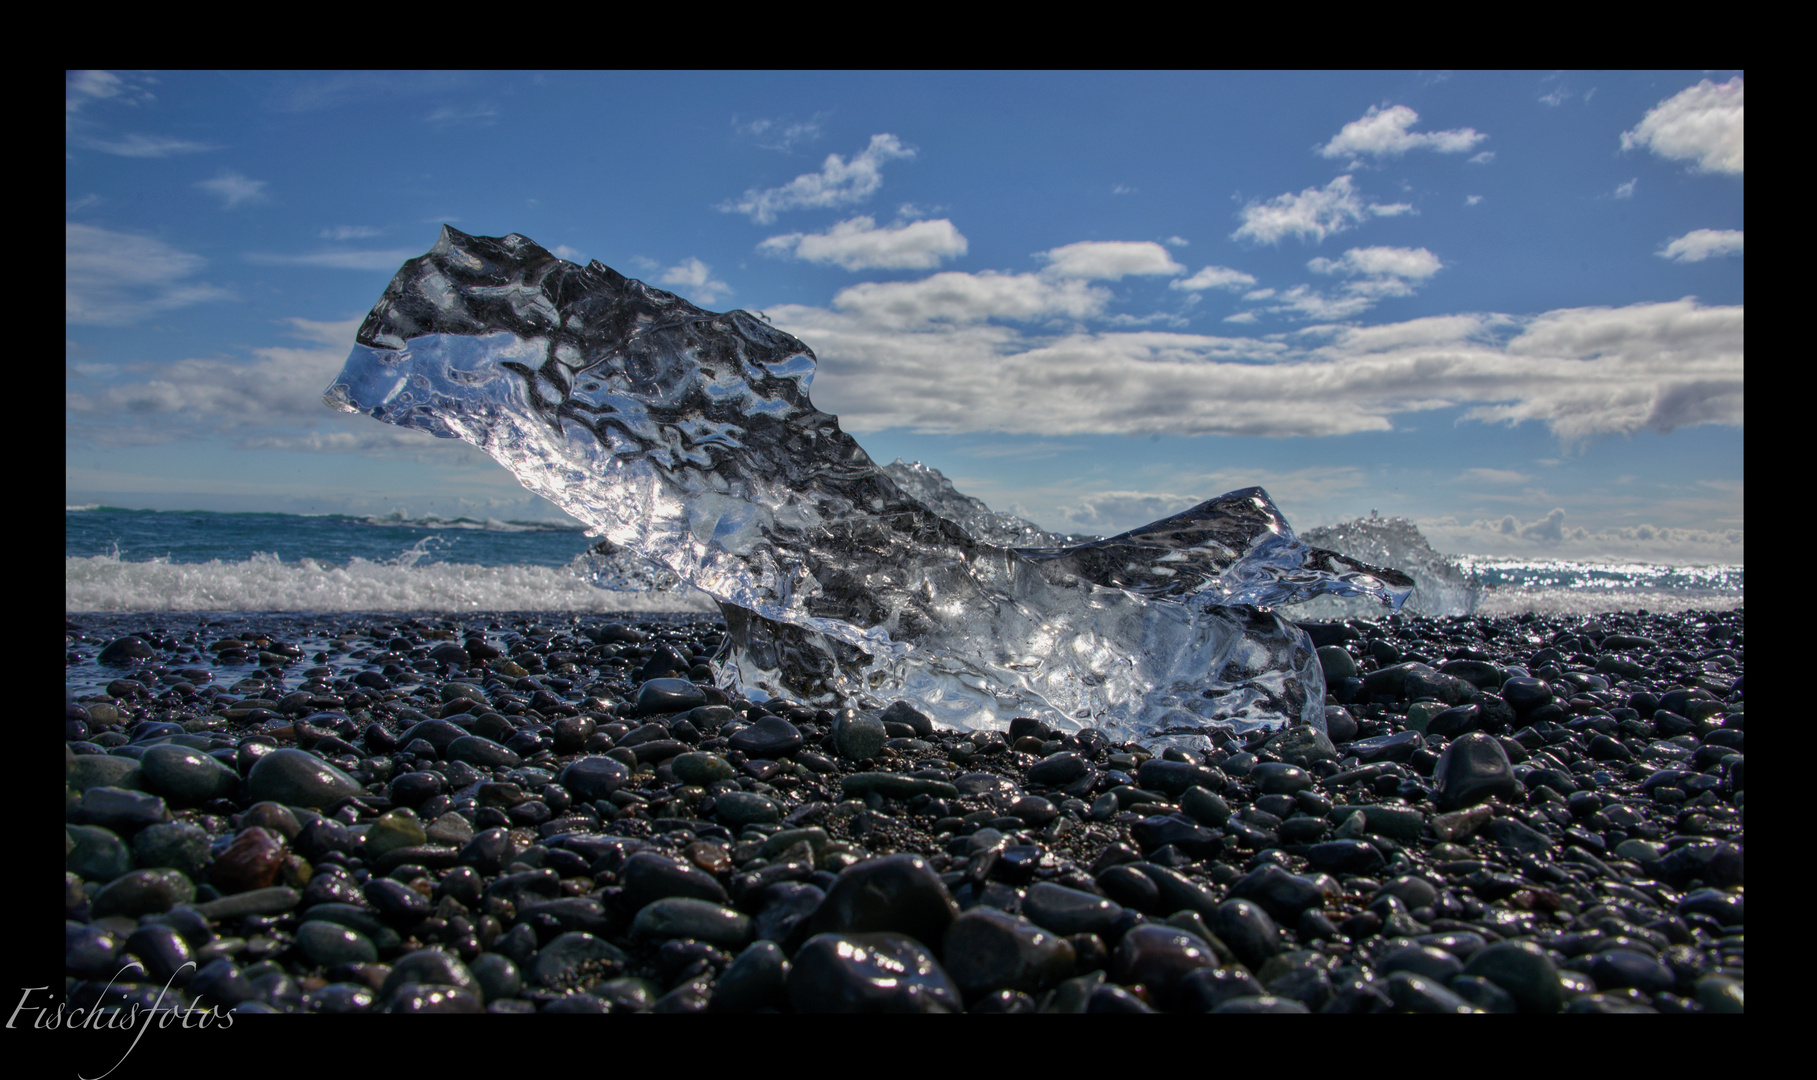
50, 1014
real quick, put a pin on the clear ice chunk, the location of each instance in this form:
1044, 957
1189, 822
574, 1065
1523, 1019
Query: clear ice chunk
687, 437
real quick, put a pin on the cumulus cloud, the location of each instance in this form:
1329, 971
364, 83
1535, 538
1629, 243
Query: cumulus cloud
112, 278
1390, 262
858, 244
1495, 476
387, 261
696, 279
278, 383
956, 298
838, 183
1110, 260
941, 355
1383, 133
1701, 124
234, 189
1700, 244
1214, 277
1314, 213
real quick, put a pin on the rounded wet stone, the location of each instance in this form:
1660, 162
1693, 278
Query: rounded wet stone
1205, 807
879, 972
121, 810
1069, 911
988, 949
1523, 970
1473, 769
686, 917
757, 979
394, 829
574, 959
326, 944
1203, 990
899, 893
1337, 664
657, 696
299, 778
700, 768
1279, 778
396, 901
740, 808
1412, 992
482, 752
1526, 694
1247, 929
143, 892
1346, 857
178, 845
186, 777
859, 737
254, 860
595, 777
1431, 963
167, 957
437, 733
99, 854
648, 877
1282, 894
433, 966
103, 770
769, 738
1159, 957
1058, 769
429, 999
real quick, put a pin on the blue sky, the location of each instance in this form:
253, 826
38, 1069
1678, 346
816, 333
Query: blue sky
1505, 305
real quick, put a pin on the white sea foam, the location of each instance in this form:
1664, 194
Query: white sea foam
266, 583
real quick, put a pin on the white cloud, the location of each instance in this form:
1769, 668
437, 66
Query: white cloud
1214, 277
1381, 262
483, 115
1123, 189
936, 355
1626, 191
780, 134
1701, 124
1495, 476
573, 255
1700, 244
1472, 200
112, 278
388, 261
234, 189
1383, 133
145, 146
82, 87
349, 232
838, 183
1483, 158
1110, 260
955, 298
696, 278
858, 244
1175, 241
1314, 213
282, 383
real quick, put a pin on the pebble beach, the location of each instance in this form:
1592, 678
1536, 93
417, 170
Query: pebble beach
543, 812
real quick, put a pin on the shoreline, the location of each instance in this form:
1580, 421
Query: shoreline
1561, 845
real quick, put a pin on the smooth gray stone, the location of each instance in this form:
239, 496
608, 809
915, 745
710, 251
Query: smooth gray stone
858, 737
433, 966
1069, 911
595, 777
880, 972
686, 917
298, 778
177, 845
482, 752
98, 855
103, 770
273, 901
143, 892
1523, 970
1474, 768
326, 944
756, 980
987, 949
186, 777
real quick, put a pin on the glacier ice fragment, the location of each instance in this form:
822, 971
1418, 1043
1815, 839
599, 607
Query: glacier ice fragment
687, 437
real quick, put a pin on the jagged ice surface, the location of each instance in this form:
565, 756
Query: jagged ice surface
687, 437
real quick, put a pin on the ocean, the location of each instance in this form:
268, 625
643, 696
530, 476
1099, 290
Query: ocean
118, 560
